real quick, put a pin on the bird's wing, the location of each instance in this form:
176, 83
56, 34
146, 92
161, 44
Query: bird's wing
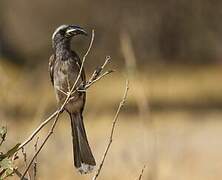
51, 67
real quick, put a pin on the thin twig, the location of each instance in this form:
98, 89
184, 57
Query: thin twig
62, 107
25, 161
97, 79
45, 140
141, 173
16, 171
107, 60
35, 161
62, 90
2, 140
96, 76
38, 129
112, 130
98, 70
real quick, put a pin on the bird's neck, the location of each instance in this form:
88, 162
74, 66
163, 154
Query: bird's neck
62, 50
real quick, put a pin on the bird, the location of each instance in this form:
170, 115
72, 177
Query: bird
64, 68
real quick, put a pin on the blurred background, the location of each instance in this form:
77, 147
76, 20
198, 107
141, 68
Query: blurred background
171, 51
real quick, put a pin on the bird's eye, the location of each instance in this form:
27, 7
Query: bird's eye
62, 32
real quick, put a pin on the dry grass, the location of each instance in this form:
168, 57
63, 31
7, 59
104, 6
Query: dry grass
180, 143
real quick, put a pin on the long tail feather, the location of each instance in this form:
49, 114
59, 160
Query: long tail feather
83, 157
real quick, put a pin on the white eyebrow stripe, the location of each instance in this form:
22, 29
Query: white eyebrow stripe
57, 30
70, 31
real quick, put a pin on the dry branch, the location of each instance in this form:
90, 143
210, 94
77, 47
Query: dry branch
16, 171
112, 130
38, 129
25, 161
35, 161
141, 173
45, 140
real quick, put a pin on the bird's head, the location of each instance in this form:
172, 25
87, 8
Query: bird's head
64, 33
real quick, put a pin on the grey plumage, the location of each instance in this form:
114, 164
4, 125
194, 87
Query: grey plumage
64, 67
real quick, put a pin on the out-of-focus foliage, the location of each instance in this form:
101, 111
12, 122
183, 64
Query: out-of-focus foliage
3, 132
178, 31
6, 162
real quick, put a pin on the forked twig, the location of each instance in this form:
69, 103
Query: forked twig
112, 131
96, 76
98, 70
97, 79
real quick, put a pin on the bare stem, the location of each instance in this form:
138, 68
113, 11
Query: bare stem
25, 161
45, 140
97, 79
141, 173
38, 129
98, 70
35, 161
112, 131
16, 171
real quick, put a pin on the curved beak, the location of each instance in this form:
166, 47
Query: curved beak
75, 30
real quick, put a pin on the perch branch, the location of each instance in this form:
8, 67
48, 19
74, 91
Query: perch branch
112, 130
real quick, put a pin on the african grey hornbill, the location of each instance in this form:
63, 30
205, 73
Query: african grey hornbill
64, 67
